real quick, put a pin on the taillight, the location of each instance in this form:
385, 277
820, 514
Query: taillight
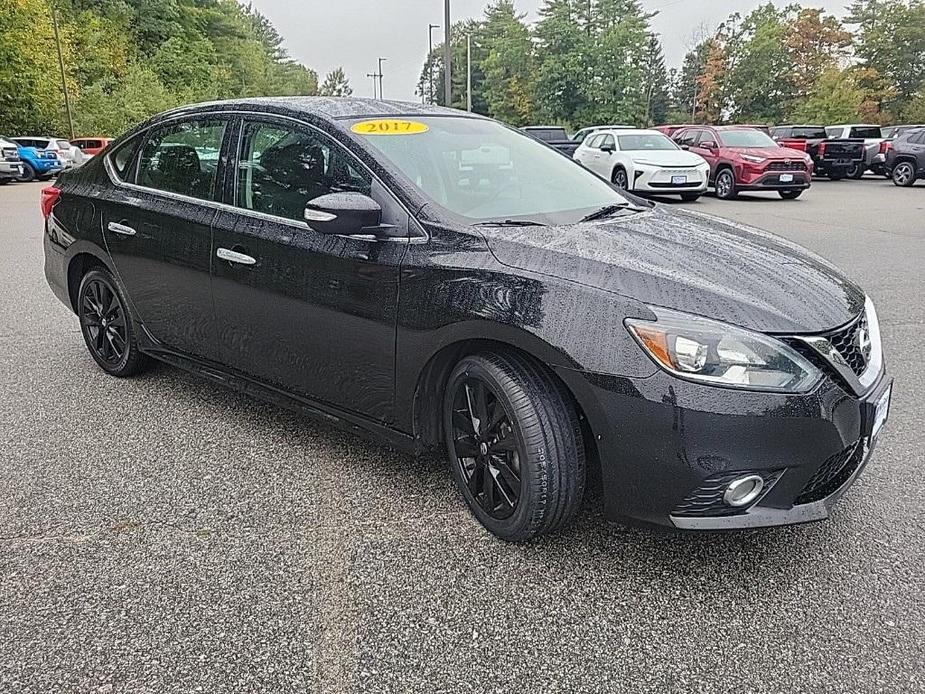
886, 146
50, 196
821, 149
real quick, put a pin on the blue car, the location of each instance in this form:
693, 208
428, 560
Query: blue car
37, 164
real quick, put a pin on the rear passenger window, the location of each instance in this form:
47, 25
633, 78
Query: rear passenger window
280, 169
183, 158
595, 141
121, 159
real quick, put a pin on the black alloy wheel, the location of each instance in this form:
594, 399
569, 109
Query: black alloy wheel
620, 179
856, 171
514, 445
904, 174
106, 325
790, 194
725, 185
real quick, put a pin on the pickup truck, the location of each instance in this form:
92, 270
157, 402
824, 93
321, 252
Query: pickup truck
874, 146
832, 157
10, 164
554, 136
38, 164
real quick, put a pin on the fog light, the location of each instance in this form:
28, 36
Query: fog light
743, 490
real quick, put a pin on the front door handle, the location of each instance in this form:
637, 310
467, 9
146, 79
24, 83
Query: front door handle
117, 228
235, 257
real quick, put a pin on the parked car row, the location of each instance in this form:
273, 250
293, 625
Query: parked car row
30, 158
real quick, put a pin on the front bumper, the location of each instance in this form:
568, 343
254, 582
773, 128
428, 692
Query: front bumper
668, 448
10, 169
773, 180
668, 180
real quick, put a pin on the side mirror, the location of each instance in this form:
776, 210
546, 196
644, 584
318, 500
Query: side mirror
685, 147
608, 148
347, 214
709, 144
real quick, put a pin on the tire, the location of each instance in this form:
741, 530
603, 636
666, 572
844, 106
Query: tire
620, 179
522, 474
725, 185
836, 176
904, 174
790, 194
690, 197
28, 173
856, 171
107, 326
4, 181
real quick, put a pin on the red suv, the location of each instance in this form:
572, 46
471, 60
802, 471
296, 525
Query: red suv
743, 158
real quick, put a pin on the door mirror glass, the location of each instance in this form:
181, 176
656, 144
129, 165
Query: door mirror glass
709, 144
608, 147
685, 147
346, 214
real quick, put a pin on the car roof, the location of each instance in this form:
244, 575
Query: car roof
332, 108
632, 131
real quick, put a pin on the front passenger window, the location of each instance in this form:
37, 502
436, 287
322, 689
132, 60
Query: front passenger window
281, 169
183, 158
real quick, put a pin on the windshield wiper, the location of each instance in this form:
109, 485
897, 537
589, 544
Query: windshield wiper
608, 210
511, 223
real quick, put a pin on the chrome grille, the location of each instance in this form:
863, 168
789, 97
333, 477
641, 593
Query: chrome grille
848, 343
11, 154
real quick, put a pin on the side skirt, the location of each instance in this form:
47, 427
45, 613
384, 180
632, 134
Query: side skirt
343, 419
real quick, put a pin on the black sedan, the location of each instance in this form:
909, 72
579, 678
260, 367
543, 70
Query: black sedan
446, 282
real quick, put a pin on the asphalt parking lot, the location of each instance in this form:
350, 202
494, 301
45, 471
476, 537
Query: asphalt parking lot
163, 535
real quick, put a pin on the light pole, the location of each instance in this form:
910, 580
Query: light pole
375, 76
430, 52
381, 60
469, 72
447, 57
67, 97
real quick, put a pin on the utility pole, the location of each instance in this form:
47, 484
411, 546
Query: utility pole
447, 57
469, 72
375, 76
430, 52
381, 60
67, 97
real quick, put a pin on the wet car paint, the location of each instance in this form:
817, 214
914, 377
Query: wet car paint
362, 331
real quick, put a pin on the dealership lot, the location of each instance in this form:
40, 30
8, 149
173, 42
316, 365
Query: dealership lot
161, 534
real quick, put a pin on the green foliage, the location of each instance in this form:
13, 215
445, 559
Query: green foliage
836, 98
336, 84
129, 59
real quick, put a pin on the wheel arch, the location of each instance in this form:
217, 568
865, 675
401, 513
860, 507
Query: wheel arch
427, 402
84, 258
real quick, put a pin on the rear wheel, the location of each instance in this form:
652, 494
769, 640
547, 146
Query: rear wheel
514, 445
107, 326
725, 185
790, 194
690, 197
836, 175
856, 171
28, 173
620, 179
904, 174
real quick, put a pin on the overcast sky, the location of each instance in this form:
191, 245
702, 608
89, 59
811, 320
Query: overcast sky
324, 34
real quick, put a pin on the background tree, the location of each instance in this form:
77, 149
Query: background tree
506, 63
335, 84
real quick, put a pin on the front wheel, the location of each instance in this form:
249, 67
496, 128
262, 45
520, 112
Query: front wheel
833, 176
107, 326
690, 197
28, 173
620, 179
514, 445
790, 194
725, 185
904, 174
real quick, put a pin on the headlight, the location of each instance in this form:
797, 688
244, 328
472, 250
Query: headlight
708, 351
752, 158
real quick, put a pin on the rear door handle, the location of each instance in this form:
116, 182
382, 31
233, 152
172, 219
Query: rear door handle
235, 257
117, 228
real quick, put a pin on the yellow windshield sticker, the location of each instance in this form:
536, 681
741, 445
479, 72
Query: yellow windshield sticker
389, 126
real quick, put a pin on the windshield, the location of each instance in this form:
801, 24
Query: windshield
868, 132
481, 170
745, 138
648, 142
548, 134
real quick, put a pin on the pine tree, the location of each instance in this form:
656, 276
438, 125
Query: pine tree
335, 84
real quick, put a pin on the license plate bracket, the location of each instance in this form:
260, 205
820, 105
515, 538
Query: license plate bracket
786, 178
678, 180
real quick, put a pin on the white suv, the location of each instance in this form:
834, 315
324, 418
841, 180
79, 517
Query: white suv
10, 164
67, 154
644, 161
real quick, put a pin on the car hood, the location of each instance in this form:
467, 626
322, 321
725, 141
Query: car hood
772, 152
690, 262
667, 157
